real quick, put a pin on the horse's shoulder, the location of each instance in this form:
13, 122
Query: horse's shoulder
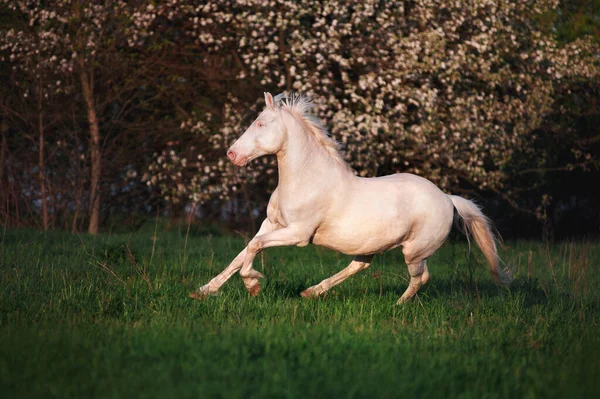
273, 206
274, 197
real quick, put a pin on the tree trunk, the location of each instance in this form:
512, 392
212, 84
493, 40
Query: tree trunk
41, 160
74, 226
79, 178
96, 165
3, 147
41, 175
4, 196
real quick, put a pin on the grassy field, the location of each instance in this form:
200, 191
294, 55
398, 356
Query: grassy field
110, 317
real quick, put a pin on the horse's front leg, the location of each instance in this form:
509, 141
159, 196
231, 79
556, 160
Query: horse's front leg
212, 287
286, 236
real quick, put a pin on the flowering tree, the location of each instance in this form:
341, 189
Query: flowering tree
453, 91
29, 111
82, 50
465, 93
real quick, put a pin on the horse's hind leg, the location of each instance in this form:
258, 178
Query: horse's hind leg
359, 263
419, 275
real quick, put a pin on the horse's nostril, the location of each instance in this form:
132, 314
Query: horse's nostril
231, 155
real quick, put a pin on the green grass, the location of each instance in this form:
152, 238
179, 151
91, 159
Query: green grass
78, 318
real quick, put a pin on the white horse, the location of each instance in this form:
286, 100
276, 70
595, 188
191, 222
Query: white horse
319, 200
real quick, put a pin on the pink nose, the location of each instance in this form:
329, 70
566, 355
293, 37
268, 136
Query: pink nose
231, 155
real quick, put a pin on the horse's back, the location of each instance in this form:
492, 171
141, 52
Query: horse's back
415, 196
410, 190
408, 181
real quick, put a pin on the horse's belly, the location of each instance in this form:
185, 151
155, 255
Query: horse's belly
351, 247
361, 239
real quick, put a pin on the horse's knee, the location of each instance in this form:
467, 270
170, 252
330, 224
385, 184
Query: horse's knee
253, 246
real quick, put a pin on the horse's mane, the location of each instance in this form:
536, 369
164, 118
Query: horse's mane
300, 106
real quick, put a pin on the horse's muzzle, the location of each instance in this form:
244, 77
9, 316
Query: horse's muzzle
231, 155
237, 160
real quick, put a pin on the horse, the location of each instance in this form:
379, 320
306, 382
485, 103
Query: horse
320, 200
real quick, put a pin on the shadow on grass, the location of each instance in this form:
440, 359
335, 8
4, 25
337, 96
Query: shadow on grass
285, 289
531, 290
441, 289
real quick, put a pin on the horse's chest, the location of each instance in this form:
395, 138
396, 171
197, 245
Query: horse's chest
287, 216
298, 208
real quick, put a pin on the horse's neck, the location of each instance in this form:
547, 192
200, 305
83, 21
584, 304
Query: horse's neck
304, 163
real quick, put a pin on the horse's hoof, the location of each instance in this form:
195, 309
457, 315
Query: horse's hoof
252, 286
197, 295
253, 289
311, 293
403, 300
202, 293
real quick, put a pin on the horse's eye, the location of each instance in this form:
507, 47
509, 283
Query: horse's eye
260, 123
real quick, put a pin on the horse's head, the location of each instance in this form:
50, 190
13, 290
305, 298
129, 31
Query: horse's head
265, 135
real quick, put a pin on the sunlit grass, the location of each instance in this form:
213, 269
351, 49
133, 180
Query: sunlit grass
110, 317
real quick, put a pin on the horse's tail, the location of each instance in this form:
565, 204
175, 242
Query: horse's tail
480, 227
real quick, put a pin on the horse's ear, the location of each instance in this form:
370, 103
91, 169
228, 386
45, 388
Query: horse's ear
269, 101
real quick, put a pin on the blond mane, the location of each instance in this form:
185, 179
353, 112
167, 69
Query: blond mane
300, 106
